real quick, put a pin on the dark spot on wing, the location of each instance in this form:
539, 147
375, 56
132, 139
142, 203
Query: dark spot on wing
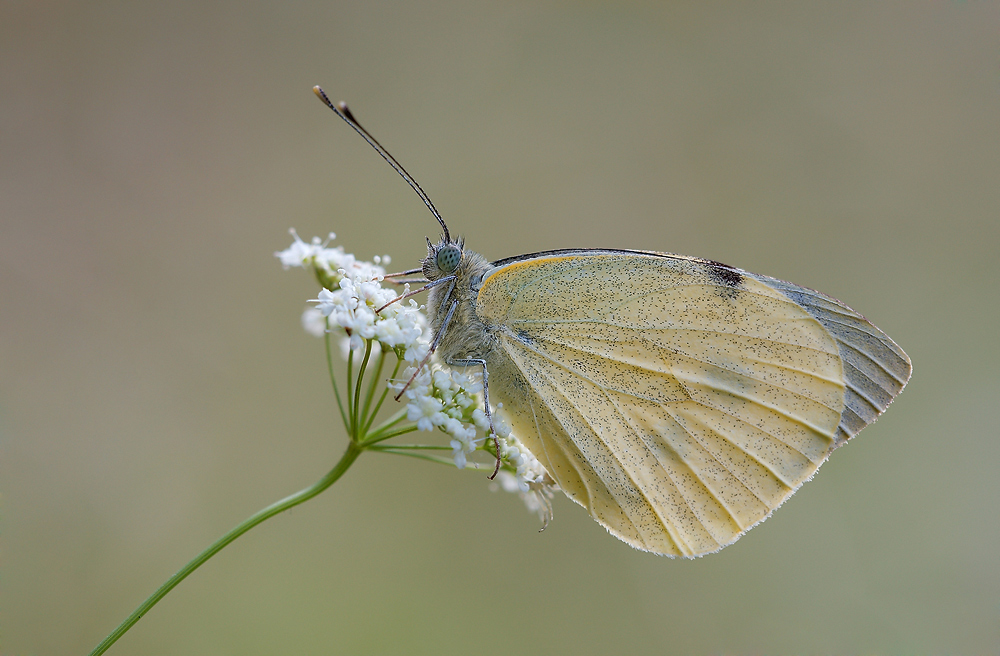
723, 273
524, 336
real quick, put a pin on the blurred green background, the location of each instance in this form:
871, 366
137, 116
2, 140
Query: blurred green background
156, 387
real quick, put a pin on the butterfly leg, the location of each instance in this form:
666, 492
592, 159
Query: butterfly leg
434, 344
486, 399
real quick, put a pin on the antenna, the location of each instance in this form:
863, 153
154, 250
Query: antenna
341, 110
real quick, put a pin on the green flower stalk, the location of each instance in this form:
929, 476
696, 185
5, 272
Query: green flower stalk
437, 397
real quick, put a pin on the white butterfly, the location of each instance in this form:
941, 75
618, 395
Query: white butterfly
679, 400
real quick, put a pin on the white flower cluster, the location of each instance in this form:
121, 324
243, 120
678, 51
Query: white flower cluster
451, 401
529, 480
528, 470
333, 262
351, 293
353, 305
537, 497
437, 397
447, 399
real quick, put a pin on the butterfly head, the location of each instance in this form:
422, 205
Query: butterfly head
443, 258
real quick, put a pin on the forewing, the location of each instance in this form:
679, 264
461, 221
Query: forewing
678, 401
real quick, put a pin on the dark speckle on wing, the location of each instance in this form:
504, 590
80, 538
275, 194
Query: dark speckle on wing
724, 273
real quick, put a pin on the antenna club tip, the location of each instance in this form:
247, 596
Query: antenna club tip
318, 90
346, 111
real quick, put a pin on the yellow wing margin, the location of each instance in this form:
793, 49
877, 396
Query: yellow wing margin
678, 403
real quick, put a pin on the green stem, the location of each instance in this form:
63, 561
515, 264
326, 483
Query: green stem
371, 389
385, 393
389, 435
420, 456
333, 378
350, 455
375, 439
415, 447
350, 399
391, 421
359, 420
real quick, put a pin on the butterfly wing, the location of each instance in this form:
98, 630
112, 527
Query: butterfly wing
680, 401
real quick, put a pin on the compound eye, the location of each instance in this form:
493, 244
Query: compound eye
448, 259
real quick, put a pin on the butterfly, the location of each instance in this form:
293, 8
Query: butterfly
679, 400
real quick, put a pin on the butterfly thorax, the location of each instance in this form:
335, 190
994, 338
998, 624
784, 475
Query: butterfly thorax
465, 336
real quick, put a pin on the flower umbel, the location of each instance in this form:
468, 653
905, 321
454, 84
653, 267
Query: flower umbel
371, 324
438, 398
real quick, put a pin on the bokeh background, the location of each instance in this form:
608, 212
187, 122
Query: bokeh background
156, 387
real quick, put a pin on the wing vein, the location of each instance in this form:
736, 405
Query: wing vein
755, 378
876, 361
696, 474
687, 502
864, 397
681, 545
747, 453
613, 324
720, 463
768, 405
769, 434
569, 459
675, 351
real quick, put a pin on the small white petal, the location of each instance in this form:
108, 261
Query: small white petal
314, 322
